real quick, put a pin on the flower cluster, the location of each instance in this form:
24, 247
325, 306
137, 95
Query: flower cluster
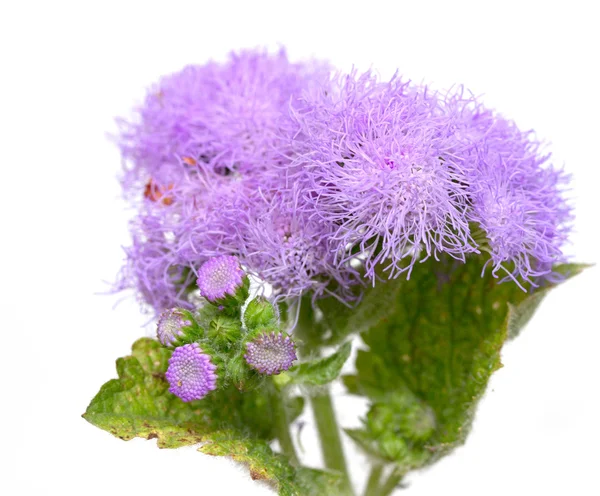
316, 181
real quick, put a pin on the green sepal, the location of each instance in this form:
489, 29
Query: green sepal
241, 375
224, 330
282, 380
255, 332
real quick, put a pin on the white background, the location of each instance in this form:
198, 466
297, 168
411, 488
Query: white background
66, 69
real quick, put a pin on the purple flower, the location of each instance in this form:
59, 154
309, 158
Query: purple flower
191, 374
516, 197
219, 117
207, 140
285, 247
313, 181
270, 353
153, 267
381, 163
177, 326
219, 277
404, 173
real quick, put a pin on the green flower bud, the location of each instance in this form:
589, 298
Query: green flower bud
260, 313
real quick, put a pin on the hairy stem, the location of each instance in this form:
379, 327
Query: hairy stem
374, 478
282, 426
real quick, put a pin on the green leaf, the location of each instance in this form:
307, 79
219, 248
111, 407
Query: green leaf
266, 465
240, 425
429, 361
323, 370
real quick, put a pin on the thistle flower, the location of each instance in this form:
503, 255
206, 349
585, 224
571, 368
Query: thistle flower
191, 374
170, 326
270, 353
220, 277
205, 139
153, 267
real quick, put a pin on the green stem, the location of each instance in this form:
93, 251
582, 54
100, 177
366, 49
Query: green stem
322, 404
392, 482
282, 426
374, 478
329, 434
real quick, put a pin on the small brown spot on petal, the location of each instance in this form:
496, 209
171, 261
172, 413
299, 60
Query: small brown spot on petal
154, 193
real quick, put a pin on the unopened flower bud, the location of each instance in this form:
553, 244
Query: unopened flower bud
223, 282
260, 313
191, 373
271, 353
177, 327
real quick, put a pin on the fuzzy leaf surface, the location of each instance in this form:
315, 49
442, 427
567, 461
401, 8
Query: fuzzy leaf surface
227, 422
429, 361
323, 370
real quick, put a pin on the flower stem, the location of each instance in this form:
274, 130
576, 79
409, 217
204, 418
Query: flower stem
374, 478
329, 436
322, 404
392, 482
282, 426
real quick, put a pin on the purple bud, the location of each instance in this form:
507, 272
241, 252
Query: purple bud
191, 374
219, 277
170, 327
271, 354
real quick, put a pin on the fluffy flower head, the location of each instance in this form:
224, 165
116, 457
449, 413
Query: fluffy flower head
516, 197
314, 181
191, 374
379, 162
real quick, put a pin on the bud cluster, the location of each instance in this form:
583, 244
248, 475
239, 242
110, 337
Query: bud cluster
399, 424
218, 343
